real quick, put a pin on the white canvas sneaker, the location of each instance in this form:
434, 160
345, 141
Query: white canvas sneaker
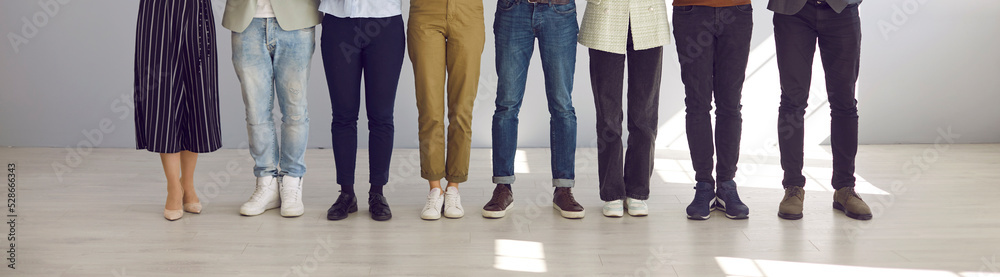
613, 208
264, 198
432, 210
453, 203
291, 196
637, 207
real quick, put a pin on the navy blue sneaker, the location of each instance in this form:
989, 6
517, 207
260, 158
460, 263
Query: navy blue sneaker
729, 201
704, 202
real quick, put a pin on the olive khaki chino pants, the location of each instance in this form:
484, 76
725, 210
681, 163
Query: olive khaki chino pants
446, 39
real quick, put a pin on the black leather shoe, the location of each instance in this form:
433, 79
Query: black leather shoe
345, 204
378, 207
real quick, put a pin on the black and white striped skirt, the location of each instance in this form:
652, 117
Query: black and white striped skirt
176, 77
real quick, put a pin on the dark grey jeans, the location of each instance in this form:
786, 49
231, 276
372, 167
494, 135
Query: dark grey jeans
839, 37
606, 79
713, 45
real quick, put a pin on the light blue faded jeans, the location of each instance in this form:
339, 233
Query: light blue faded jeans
270, 61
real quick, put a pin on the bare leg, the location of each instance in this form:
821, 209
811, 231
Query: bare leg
188, 160
435, 184
453, 184
172, 171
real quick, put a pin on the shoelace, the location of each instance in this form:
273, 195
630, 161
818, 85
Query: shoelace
732, 197
855, 193
572, 200
704, 195
453, 201
291, 191
794, 192
636, 203
377, 200
343, 200
259, 192
430, 204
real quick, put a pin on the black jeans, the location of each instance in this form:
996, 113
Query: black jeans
839, 37
606, 77
713, 45
352, 46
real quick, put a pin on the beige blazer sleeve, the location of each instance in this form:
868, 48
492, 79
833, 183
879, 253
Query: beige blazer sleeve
606, 22
291, 14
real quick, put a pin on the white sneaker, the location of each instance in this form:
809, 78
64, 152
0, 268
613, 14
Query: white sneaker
453, 203
613, 208
432, 210
637, 207
291, 196
264, 198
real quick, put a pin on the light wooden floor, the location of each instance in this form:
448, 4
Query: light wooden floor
932, 218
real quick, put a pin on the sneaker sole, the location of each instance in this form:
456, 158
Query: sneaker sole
838, 206
430, 217
739, 216
256, 212
433, 217
695, 217
721, 206
638, 214
622, 213
569, 214
497, 214
293, 213
454, 216
711, 208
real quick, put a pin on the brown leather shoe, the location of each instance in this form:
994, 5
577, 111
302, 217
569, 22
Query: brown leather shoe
563, 201
848, 201
500, 203
791, 206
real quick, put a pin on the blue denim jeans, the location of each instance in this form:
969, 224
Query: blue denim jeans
269, 61
517, 24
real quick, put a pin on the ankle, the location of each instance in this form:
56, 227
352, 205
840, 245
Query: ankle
375, 189
347, 189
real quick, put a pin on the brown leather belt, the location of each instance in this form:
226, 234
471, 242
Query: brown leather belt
551, 2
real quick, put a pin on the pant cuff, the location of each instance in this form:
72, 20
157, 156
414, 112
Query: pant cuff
613, 198
636, 196
457, 179
270, 172
503, 179
431, 176
563, 183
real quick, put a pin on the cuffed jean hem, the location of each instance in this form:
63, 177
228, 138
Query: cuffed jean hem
563, 183
291, 175
503, 179
262, 173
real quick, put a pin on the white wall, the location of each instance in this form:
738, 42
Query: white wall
937, 69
